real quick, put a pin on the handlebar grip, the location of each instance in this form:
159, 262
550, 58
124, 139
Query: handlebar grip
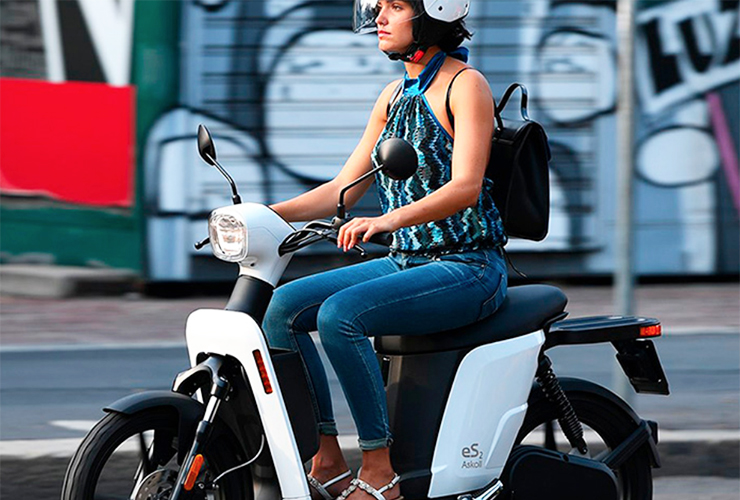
384, 239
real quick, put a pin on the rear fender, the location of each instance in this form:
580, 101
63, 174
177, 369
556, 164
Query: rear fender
597, 329
630, 336
574, 385
189, 412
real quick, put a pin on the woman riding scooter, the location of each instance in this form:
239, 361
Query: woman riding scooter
445, 268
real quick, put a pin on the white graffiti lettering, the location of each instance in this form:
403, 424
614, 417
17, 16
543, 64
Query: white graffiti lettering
111, 25
686, 48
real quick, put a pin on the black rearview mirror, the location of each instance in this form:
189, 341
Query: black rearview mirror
207, 151
206, 147
398, 158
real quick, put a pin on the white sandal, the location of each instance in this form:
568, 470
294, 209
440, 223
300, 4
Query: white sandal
377, 493
322, 487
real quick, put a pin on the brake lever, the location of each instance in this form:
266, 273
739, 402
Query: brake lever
358, 248
362, 251
336, 223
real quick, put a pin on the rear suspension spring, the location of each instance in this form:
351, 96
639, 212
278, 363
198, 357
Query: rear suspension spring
567, 418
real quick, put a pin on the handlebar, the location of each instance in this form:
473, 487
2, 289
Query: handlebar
384, 239
321, 230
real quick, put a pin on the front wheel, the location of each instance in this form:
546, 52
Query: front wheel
134, 457
605, 427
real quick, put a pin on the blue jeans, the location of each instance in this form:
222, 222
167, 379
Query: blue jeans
399, 294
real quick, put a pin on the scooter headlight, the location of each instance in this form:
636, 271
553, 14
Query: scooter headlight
228, 237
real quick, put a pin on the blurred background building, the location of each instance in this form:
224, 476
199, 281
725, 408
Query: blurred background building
101, 99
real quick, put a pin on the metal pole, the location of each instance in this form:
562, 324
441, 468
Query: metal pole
624, 278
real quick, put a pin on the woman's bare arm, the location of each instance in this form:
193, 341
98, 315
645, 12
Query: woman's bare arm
322, 201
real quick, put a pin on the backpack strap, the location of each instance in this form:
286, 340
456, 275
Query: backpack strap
449, 93
496, 112
393, 98
525, 99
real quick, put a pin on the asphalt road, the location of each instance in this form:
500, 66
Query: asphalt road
53, 394
40, 386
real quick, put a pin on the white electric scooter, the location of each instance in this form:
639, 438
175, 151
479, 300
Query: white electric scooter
465, 406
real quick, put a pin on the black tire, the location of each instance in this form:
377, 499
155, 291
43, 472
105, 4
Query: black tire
93, 463
611, 423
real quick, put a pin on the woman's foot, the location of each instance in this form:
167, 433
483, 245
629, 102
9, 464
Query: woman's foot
330, 487
377, 484
376, 479
329, 470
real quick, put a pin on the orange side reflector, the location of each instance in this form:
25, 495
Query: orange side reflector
193, 472
650, 331
263, 372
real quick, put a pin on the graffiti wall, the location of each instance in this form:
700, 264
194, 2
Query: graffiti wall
286, 89
688, 74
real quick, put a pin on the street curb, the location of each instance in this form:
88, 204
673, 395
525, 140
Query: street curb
57, 282
699, 458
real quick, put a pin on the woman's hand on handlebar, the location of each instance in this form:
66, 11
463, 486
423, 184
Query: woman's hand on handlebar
363, 228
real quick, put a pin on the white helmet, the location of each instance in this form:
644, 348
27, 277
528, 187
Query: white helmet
432, 20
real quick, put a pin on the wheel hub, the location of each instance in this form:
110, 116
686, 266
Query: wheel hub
159, 486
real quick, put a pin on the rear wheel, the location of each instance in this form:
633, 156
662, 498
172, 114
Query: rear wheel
605, 427
134, 457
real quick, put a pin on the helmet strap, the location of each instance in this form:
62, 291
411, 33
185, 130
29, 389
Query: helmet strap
413, 54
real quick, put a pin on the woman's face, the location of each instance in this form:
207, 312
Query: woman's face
395, 25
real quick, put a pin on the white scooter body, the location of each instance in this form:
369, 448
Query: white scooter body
484, 412
485, 408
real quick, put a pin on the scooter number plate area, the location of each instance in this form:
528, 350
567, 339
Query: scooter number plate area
641, 364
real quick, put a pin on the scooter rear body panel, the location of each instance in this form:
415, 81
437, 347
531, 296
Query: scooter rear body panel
486, 407
455, 414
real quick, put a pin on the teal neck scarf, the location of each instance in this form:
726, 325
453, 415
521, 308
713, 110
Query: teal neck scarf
413, 86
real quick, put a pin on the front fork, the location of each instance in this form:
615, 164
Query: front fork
194, 460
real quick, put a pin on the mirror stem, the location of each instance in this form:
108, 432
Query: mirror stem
341, 211
235, 195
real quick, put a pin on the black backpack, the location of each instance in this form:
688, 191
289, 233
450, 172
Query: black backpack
518, 166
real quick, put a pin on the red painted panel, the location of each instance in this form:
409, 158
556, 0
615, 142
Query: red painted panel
73, 142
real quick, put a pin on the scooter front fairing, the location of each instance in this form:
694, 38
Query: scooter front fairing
235, 334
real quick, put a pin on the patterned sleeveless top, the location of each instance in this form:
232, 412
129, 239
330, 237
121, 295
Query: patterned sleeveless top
411, 118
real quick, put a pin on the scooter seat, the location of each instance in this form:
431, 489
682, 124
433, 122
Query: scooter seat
525, 309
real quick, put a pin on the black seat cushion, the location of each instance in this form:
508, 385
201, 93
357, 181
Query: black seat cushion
526, 309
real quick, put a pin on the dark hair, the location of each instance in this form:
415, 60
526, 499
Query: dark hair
454, 37
447, 36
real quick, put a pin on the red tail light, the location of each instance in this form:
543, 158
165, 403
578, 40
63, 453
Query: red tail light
651, 331
263, 372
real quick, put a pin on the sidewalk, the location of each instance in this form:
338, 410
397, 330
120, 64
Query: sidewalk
132, 318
